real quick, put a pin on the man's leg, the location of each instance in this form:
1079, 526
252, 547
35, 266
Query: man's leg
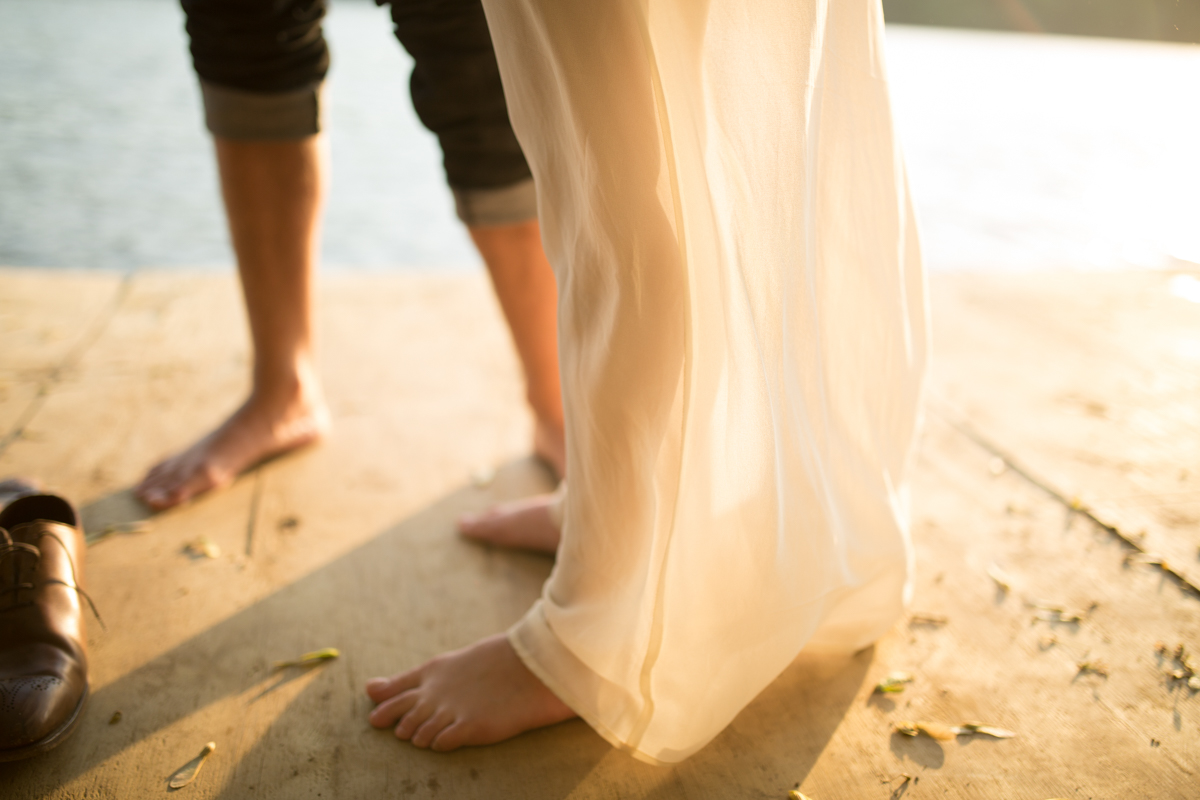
525, 287
261, 64
457, 93
273, 195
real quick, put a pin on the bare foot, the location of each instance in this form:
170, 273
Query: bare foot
526, 524
481, 694
256, 431
549, 444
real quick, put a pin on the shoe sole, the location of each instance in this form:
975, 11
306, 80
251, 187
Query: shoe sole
54, 738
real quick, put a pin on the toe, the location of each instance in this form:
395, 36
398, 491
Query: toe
380, 689
184, 488
449, 738
152, 483
160, 498
389, 711
413, 720
153, 496
477, 525
430, 729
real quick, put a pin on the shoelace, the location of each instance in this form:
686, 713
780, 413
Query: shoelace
8, 547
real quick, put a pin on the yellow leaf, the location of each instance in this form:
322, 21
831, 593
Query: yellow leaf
796, 794
308, 659
894, 682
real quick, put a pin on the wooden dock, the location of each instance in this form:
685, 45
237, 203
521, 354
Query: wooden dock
1060, 454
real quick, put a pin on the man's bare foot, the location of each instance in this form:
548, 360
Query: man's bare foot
550, 446
481, 694
256, 431
525, 524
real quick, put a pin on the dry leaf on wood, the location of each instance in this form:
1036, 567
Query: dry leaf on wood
139, 526
1002, 580
1057, 616
938, 730
935, 730
308, 659
188, 772
894, 682
204, 547
968, 728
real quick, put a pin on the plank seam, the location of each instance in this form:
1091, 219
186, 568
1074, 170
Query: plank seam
91, 335
958, 422
251, 524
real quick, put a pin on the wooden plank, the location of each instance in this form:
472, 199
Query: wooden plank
351, 544
167, 366
45, 317
1091, 381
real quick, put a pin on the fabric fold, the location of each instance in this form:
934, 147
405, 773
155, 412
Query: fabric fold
743, 339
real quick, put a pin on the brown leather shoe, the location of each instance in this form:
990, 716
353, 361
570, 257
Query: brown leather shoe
43, 657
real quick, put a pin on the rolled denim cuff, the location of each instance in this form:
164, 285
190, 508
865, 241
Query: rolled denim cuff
506, 205
238, 114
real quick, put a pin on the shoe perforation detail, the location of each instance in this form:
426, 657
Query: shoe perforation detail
13, 688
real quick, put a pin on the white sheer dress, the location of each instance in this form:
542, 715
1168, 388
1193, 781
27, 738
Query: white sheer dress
742, 326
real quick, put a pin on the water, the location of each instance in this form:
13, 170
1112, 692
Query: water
1025, 152
1035, 152
105, 162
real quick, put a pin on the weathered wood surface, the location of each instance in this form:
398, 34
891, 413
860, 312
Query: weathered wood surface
351, 545
1092, 383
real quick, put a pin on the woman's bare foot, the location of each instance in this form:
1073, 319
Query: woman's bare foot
258, 430
481, 694
526, 524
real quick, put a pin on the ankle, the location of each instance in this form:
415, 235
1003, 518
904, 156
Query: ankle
293, 388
